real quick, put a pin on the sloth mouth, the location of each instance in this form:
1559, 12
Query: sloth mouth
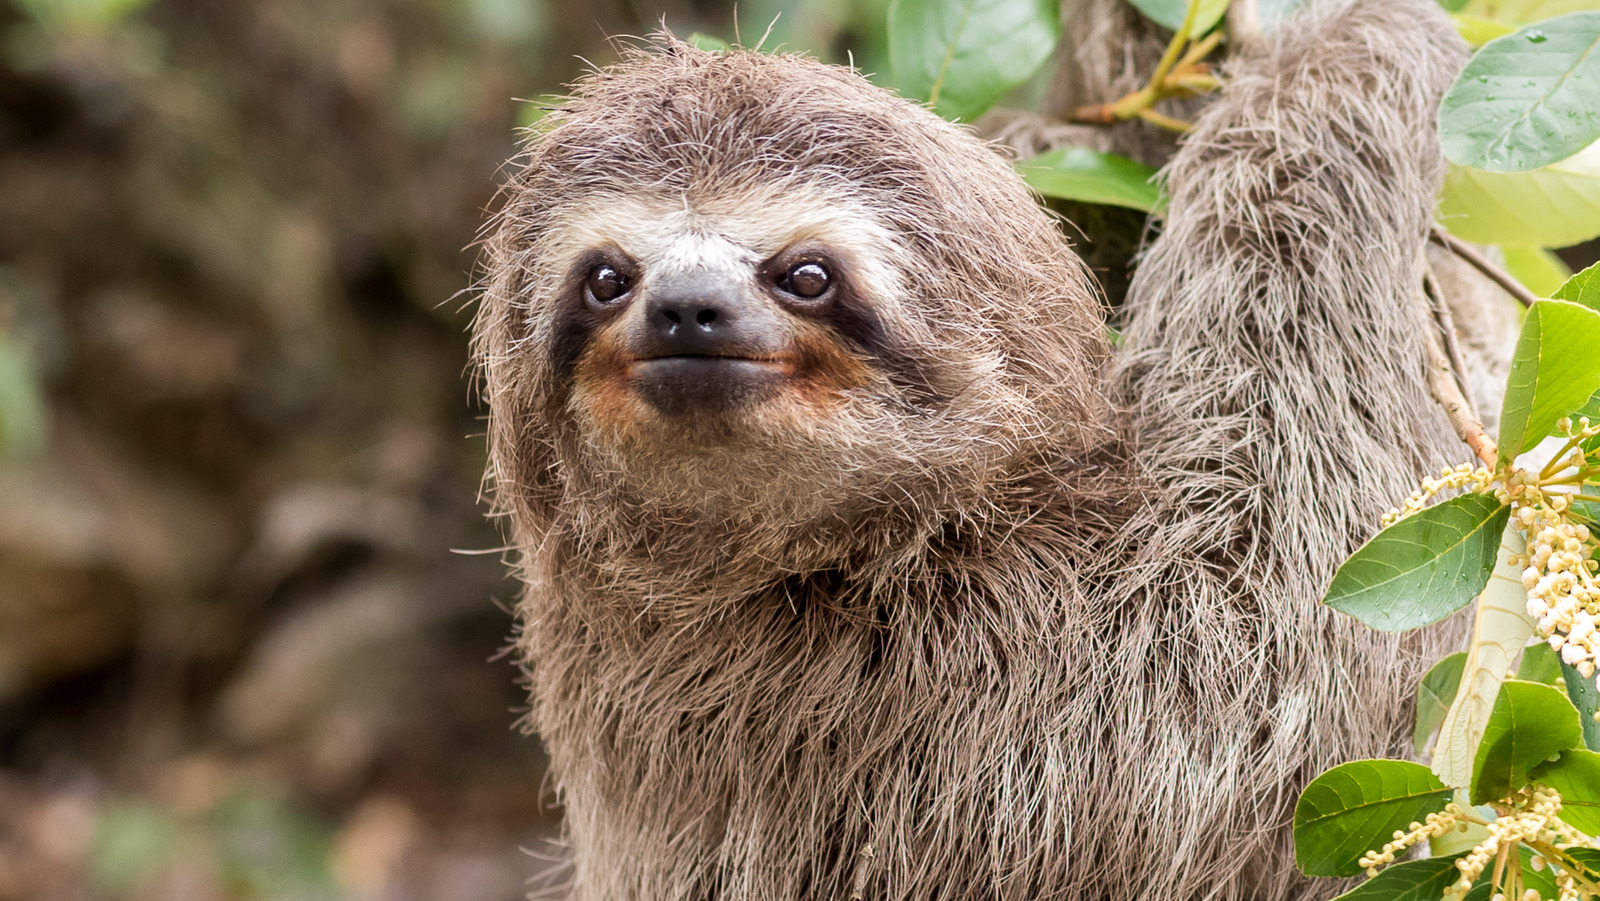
700, 384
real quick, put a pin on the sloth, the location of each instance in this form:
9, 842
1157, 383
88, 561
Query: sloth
859, 565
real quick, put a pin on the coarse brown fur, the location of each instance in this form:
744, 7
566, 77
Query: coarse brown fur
969, 609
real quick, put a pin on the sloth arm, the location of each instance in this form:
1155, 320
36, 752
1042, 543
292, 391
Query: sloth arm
1274, 366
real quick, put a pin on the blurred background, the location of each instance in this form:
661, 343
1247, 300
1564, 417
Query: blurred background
252, 619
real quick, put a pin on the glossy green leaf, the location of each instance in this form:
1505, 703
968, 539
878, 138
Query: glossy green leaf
1500, 630
1412, 880
1078, 173
1526, 99
1356, 807
1424, 567
1585, 696
1576, 775
1554, 370
963, 55
1554, 206
1169, 13
1530, 722
1588, 859
1583, 288
1539, 270
1434, 694
1539, 664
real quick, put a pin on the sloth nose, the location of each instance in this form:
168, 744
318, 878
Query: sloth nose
693, 319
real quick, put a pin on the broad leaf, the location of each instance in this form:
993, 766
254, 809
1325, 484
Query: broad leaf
1576, 775
1527, 99
1356, 807
962, 55
1500, 630
1586, 697
1412, 880
1078, 173
1530, 723
1583, 288
1539, 664
1169, 13
1434, 694
1554, 370
1554, 206
1424, 567
1541, 271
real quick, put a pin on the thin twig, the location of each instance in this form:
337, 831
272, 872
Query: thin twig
1447, 328
1445, 386
1163, 121
1500, 277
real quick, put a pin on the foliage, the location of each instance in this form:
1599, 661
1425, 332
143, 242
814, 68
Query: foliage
1531, 741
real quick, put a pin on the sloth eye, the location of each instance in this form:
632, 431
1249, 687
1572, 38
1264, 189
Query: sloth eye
606, 284
809, 280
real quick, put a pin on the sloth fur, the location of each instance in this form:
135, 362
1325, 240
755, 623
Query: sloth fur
971, 607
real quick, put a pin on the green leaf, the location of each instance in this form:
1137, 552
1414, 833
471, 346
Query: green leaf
1554, 370
23, 423
1541, 271
1526, 99
1500, 630
1588, 859
1554, 206
1434, 694
1477, 31
1576, 775
1539, 664
1356, 807
1078, 173
1530, 723
1424, 567
1586, 697
1412, 880
1521, 12
709, 42
962, 55
1582, 288
1169, 14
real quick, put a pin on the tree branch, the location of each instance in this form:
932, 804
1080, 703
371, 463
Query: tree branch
1500, 277
1446, 378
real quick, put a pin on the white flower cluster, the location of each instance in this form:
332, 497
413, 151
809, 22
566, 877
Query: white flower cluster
1450, 478
1560, 576
1560, 569
1530, 815
1436, 825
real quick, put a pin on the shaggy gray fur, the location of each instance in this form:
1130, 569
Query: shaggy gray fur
1005, 643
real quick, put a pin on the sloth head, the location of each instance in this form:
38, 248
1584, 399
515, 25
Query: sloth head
755, 291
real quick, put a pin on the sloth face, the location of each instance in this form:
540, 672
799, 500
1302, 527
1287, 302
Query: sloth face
741, 286
718, 325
